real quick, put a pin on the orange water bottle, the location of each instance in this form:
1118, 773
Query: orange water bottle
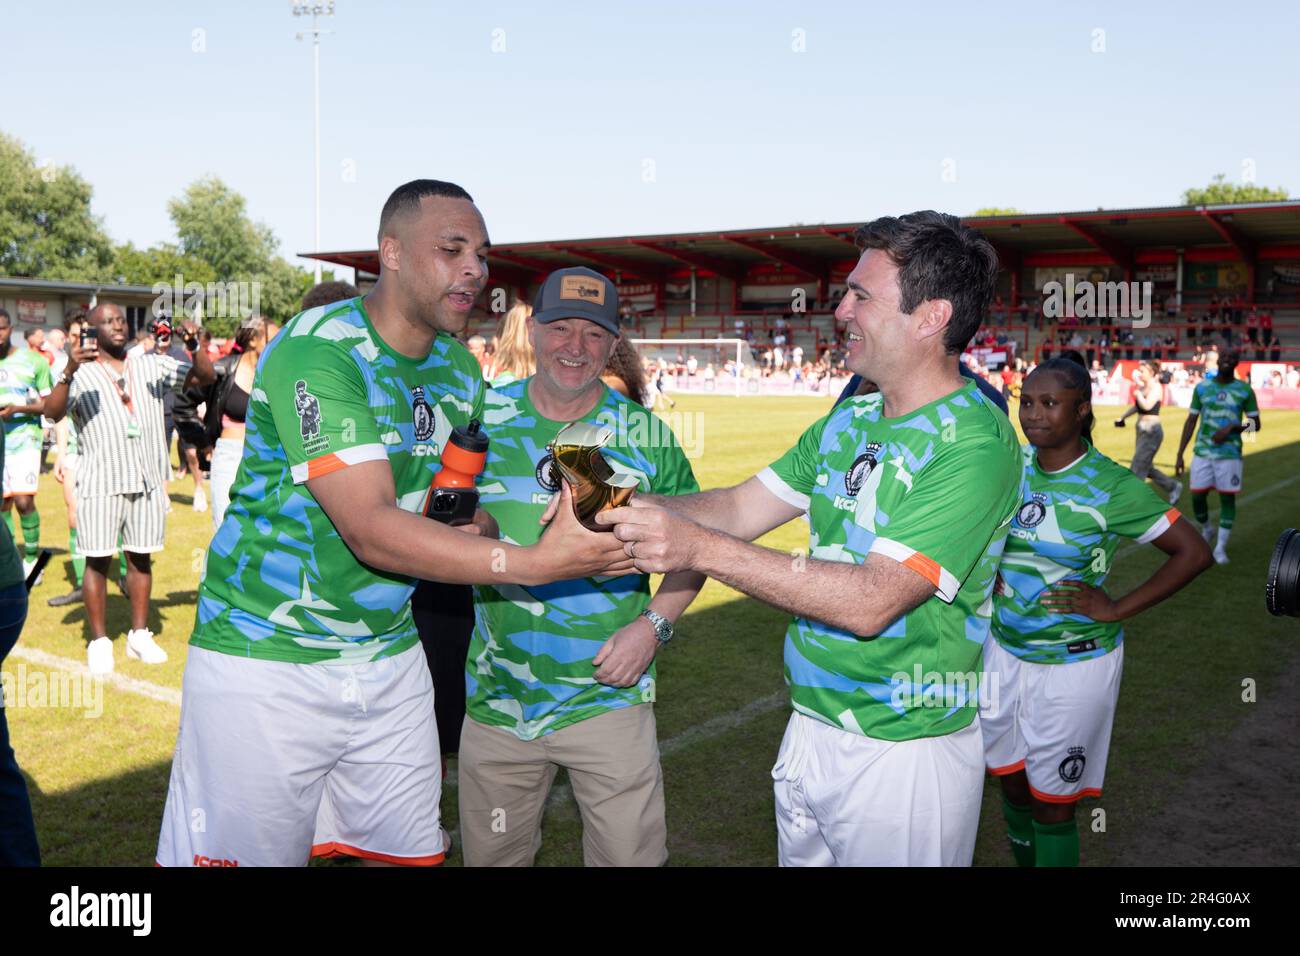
453, 497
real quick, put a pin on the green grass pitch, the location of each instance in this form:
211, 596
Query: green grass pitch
98, 783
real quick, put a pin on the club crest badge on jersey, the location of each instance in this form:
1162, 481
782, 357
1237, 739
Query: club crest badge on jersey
1032, 512
1071, 769
421, 414
861, 468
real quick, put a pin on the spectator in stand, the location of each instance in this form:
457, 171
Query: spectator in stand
36, 342
327, 293
514, 358
1098, 374
144, 344
1274, 347
477, 346
1211, 361
1171, 305
624, 372
1252, 326
227, 408
181, 414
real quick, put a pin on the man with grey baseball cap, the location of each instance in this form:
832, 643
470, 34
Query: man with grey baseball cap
578, 293
562, 674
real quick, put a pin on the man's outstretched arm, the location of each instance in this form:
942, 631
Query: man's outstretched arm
862, 599
359, 501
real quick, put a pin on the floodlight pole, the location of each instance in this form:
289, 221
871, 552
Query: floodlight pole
316, 10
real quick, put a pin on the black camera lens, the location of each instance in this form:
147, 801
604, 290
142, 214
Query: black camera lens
1282, 589
443, 503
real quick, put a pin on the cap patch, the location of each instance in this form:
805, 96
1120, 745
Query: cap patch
583, 289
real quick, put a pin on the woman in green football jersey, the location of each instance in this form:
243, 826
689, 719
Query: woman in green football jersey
1054, 655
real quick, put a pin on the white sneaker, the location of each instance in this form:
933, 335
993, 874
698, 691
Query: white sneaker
141, 646
1221, 555
1176, 493
200, 502
99, 656
27, 569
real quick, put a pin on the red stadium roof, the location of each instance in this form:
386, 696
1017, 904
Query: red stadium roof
1126, 238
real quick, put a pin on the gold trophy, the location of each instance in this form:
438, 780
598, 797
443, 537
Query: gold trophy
596, 486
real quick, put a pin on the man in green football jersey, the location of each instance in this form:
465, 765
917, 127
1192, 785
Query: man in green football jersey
308, 726
562, 675
25, 382
1219, 403
909, 494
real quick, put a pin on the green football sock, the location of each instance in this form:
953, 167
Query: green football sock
121, 555
1227, 510
1056, 844
1020, 831
31, 534
78, 560
1201, 506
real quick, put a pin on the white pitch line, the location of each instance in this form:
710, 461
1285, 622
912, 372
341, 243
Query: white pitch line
131, 685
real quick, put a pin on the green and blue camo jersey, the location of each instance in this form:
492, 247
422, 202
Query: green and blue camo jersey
1221, 403
24, 377
529, 669
935, 490
1067, 528
280, 583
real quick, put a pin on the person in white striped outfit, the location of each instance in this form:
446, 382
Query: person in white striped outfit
116, 406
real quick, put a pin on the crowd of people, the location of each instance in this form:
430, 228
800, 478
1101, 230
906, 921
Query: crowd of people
314, 724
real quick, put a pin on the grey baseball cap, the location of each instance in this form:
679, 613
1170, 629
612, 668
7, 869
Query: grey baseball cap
577, 293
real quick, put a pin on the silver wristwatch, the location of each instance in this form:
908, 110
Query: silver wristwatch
663, 626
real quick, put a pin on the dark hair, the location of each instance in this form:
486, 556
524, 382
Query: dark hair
75, 314
1070, 368
938, 258
249, 330
626, 364
327, 293
406, 199
32, 331
4, 314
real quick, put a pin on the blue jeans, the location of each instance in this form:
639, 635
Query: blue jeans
17, 829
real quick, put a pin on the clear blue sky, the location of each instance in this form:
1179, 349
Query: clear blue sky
551, 135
